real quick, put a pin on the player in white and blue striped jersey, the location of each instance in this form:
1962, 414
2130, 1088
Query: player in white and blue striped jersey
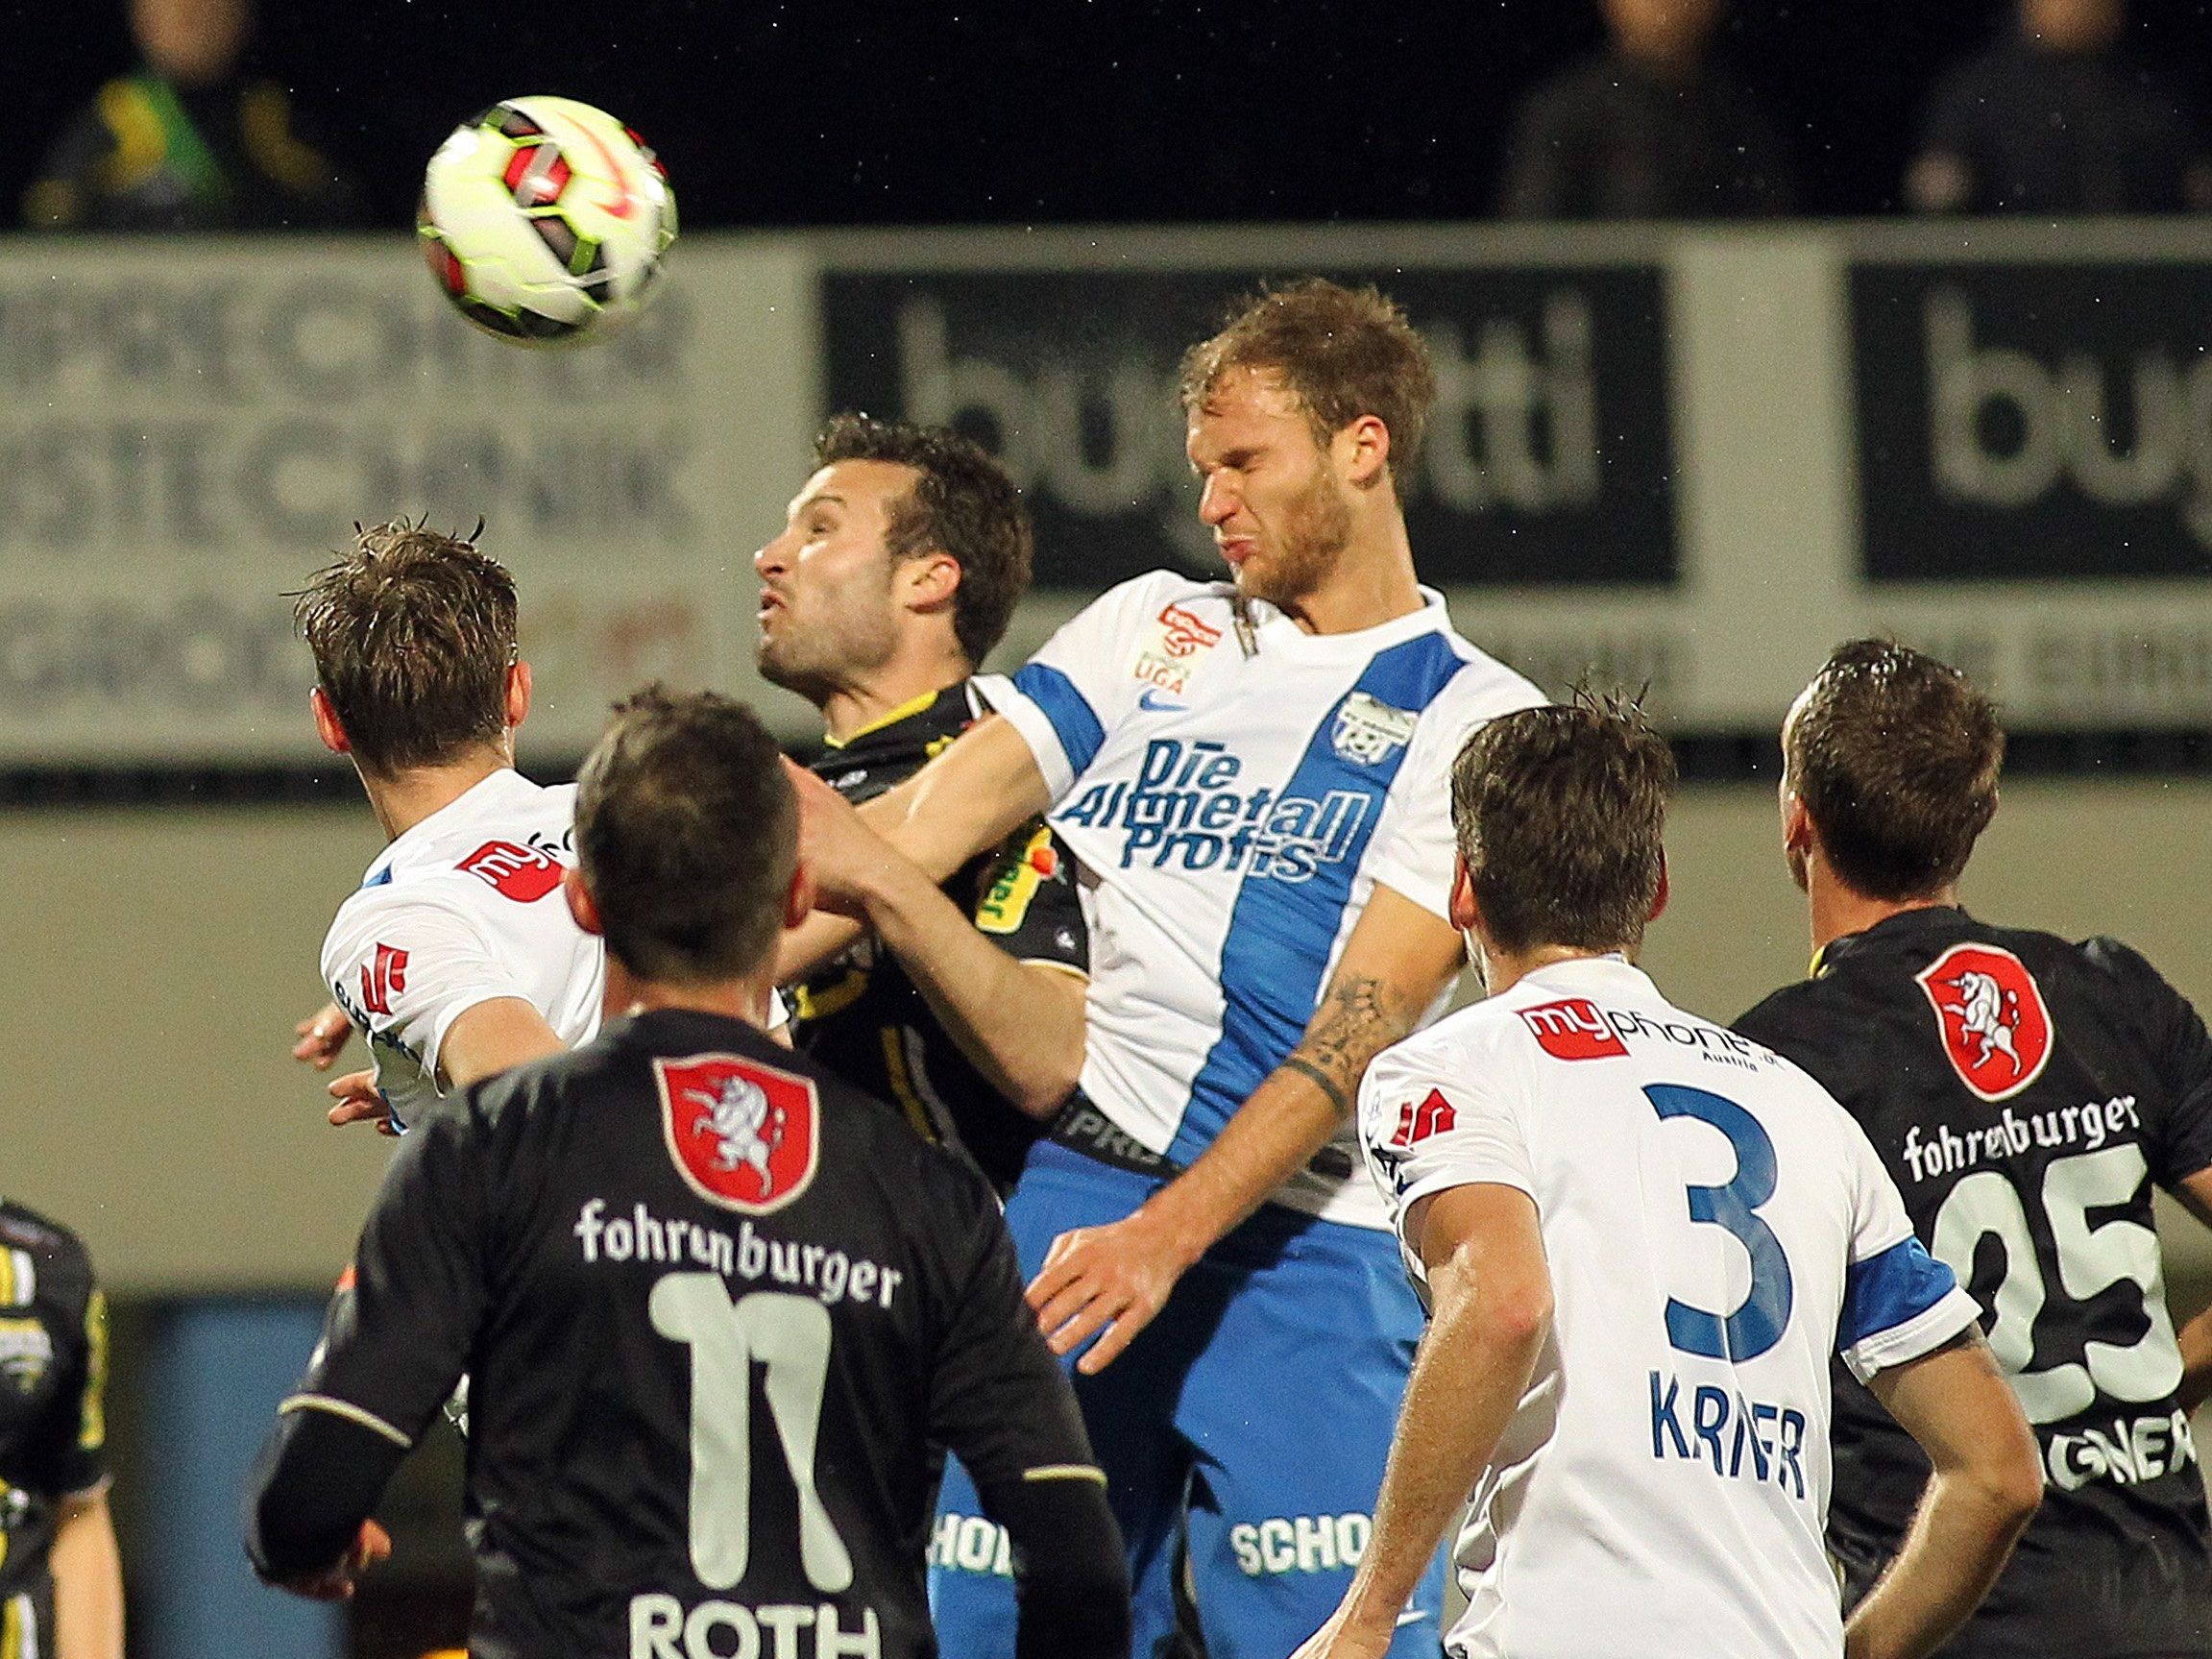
1252, 775
1643, 1238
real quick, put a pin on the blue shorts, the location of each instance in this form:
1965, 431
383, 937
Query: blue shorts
1252, 1418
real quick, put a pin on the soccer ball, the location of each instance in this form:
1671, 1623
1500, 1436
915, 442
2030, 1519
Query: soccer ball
545, 220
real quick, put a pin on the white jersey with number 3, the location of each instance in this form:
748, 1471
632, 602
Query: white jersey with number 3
463, 908
1716, 1227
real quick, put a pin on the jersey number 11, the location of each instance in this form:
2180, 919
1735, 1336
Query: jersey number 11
789, 1337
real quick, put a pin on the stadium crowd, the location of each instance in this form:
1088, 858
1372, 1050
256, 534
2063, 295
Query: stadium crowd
2062, 109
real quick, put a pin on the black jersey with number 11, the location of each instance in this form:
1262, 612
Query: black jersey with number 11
2027, 1094
721, 1316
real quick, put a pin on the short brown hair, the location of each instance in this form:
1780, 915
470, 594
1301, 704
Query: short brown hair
1342, 352
1895, 756
1559, 813
412, 634
687, 833
962, 504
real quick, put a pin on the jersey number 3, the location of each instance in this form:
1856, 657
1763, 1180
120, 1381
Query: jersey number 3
1759, 1322
787, 1336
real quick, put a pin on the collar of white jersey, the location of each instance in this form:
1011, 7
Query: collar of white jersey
1612, 973
1278, 632
487, 796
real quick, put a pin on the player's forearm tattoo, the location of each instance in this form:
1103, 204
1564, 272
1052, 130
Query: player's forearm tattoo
1359, 1017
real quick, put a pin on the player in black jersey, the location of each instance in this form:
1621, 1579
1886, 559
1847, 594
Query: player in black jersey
2026, 1093
60, 1584
898, 568
721, 1313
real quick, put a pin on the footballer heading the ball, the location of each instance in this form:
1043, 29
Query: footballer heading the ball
546, 221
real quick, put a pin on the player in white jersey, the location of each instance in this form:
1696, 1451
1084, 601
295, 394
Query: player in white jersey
1643, 1236
457, 957
1252, 775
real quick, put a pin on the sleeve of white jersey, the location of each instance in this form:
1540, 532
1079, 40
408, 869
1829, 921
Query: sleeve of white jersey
406, 963
1065, 700
1426, 1125
1899, 1301
1413, 841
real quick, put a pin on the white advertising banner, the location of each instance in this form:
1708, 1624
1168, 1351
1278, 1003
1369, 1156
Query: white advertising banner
1695, 459
189, 428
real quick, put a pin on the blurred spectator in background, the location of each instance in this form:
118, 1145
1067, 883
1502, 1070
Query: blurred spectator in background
188, 141
1650, 128
2056, 118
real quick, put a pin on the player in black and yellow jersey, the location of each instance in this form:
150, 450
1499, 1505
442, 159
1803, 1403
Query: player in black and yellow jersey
61, 1586
723, 1314
899, 566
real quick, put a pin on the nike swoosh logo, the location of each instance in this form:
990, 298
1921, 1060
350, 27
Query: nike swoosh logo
1412, 1616
1151, 702
624, 204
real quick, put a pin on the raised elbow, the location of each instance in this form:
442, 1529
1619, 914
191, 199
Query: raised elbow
2014, 1485
1520, 1316
1043, 1085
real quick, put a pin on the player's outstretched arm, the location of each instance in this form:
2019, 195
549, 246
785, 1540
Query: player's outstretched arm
985, 786
1110, 1281
1490, 1288
88, 1580
1020, 1023
492, 1036
1986, 1487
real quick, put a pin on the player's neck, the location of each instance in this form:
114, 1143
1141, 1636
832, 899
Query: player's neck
1838, 911
887, 694
1502, 970
1372, 582
404, 798
745, 998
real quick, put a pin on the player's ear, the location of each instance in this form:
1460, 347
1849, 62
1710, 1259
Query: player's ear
1361, 449
581, 904
1797, 833
1660, 898
1461, 912
327, 727
930, 579
799, 896
518, 708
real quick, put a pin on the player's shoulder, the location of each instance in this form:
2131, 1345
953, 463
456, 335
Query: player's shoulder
1469, 1041
1151, 595
1476, 687
62, 1263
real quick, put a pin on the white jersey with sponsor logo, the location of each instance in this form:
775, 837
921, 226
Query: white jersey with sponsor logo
1715, 1227
464, 907
1234, 792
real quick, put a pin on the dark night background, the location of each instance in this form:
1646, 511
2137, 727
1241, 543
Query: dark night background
868, 112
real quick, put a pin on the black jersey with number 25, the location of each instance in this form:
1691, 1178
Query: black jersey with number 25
2028, 1093
721, 1316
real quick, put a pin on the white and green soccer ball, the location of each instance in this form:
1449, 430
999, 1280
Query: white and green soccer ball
546, 221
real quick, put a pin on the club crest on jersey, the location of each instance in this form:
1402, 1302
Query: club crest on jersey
521, 873
1990, 1012
1573, 1029
745, 1135
1170, 648
25, 1352
1367, 730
